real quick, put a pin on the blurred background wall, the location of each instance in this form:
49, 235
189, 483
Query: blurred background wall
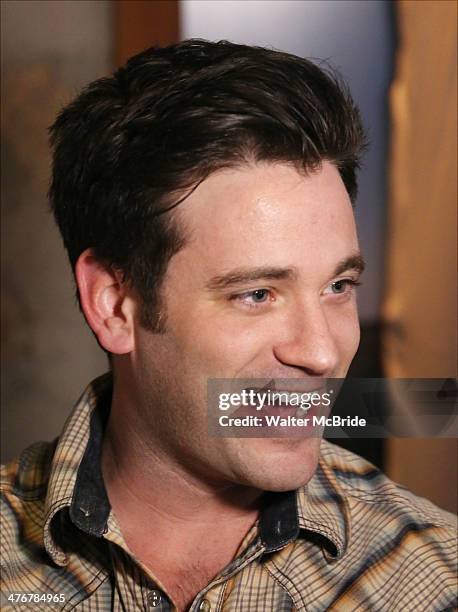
420, 300
51, 49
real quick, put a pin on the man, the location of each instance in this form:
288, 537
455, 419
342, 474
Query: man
204, 197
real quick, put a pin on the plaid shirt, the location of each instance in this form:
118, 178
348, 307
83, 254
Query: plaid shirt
349, 540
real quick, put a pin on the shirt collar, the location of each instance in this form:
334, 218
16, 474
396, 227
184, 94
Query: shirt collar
75, 443
323, 507
317, 511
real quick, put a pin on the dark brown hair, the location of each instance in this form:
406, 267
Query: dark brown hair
131, 146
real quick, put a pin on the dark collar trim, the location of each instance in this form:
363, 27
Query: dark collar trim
90, 505
279, 520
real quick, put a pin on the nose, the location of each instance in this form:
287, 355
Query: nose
308, 343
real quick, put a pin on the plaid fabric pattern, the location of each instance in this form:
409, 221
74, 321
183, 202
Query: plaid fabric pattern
351, 540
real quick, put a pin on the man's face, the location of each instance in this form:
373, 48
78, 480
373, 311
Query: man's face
253, 294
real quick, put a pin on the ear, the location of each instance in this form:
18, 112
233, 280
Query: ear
107, 305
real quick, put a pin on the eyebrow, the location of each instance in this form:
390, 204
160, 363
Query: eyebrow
240, 276
353, 262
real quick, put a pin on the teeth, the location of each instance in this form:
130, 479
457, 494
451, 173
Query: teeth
290, 398
293, 399
283, 399
301, 412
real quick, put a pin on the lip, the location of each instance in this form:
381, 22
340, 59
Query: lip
293, 385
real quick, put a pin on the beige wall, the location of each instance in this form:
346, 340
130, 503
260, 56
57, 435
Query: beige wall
420, 308
49, 50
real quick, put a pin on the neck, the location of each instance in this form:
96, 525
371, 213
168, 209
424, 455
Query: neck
183, 528
146, 485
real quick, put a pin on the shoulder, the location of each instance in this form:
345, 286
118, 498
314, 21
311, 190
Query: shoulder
26, 477
365, 485
23, 489
401, 544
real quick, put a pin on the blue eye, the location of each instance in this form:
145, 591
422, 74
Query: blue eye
259, 295
339, 286
253, 299
343, 285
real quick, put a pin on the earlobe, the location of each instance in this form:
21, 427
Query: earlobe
107, 305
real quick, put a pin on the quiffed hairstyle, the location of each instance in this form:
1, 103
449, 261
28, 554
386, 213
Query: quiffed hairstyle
132, 146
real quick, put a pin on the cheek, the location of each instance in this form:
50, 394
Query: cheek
216, 343
225, 348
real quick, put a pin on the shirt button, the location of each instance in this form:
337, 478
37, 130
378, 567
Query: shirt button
154, 598
205, 606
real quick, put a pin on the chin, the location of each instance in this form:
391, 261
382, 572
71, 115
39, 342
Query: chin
275, 464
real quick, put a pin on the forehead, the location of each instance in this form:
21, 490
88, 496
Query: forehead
269, 214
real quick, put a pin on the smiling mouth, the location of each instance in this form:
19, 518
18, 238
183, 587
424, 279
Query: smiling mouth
282, 398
